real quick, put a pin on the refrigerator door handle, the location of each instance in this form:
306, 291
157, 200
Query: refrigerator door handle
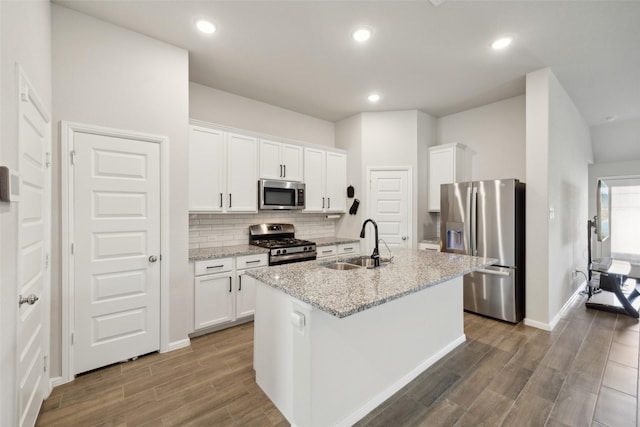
473, 235
494, 272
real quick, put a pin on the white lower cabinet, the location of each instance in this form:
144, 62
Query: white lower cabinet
214, 298
223, 294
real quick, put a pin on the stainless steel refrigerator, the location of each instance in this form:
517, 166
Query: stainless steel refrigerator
487, 219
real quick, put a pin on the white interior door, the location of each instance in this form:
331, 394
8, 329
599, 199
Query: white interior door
34, 230
116, 249
390, 206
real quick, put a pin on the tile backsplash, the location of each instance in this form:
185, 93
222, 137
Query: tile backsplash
217, 230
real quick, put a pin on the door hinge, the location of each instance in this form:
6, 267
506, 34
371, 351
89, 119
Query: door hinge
44, 363
24, 95
47, 159
46, 261
73, 157
72, 248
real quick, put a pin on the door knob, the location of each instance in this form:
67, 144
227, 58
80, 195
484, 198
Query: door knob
31, 299
404, 237
153, 258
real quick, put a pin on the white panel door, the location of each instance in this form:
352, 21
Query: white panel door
390, 204
207, 162
34, 141
116, 217
242, 173
314, 179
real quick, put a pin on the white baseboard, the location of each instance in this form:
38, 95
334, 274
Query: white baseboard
56, 381
176, 345
554, 322
369, 406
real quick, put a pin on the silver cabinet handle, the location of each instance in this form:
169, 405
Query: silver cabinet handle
153, 258
281, 175
229, 199
284, 174
31, 299
328, 202
251, 262
323, 203
239, 283
494, 272
215, 266
220, 199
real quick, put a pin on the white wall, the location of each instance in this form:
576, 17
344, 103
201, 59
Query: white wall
558, 152
25, 38
494, 135
392, 138
349, 138
616, 140
108, 76
215, 106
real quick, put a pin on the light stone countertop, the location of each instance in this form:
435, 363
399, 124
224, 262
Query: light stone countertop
327, 241
225, 251
346, 292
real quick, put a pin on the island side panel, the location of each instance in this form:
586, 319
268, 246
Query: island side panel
360, 361
322, 370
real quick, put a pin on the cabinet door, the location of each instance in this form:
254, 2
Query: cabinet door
314, 179
242, 175
292, 162
441, 171
245, 296
271, 166
214, 299
206, 169
336, 182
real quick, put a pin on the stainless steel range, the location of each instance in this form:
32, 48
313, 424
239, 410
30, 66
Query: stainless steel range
281, 242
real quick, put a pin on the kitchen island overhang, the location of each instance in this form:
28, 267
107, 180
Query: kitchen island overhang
330, 346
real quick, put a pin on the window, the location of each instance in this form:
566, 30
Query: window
625, 222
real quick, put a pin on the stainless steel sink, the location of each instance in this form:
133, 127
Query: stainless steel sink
363, 261
342, 266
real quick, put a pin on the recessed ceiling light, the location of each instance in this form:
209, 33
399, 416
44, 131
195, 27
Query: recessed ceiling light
610, 118
374, 97
501, 43
362, 34
205, 26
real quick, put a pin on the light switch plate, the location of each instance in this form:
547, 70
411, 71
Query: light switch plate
9, 185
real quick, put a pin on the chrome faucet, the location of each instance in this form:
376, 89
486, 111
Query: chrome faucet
376, 253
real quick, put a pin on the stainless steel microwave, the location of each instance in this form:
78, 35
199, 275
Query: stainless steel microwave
276, 195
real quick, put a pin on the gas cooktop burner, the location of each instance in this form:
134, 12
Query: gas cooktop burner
284, 247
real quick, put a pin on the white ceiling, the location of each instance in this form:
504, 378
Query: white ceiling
299, 54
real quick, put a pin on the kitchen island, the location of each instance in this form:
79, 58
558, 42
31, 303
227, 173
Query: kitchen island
331, 345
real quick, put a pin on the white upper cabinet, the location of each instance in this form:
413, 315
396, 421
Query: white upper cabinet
280, 161
325, 177
446, 165
207, 165
336, 182
242, 173
223, 171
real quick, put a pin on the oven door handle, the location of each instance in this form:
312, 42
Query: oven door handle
308, 256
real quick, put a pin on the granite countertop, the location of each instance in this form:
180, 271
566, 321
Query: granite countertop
346, 292
326, 241
226, 251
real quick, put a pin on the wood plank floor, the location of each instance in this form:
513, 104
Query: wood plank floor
583, 373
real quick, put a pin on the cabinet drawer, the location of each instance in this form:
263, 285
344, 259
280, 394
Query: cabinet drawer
251, 261
212, 266
427, 246
349, 248
325, 251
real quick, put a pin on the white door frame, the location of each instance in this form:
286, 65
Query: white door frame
409, 170
68, 130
